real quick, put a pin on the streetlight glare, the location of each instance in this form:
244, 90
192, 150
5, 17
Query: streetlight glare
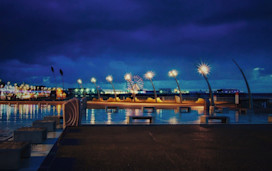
128, 77
173, 73
109, 78
149, 75
93, 80
79, 81
203, 69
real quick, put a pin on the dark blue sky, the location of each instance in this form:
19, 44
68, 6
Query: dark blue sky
88, 38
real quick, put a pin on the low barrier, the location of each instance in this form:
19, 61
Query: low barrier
71, 113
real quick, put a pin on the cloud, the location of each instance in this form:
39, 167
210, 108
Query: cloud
96, 38
258, 69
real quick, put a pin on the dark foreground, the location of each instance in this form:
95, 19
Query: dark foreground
165, 147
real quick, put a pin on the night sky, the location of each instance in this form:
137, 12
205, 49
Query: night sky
87, 38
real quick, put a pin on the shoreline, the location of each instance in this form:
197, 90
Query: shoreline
33, 102
123, 105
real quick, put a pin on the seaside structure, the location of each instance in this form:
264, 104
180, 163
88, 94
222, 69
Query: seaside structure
149, 75
173, 73
128, 79
110, 79
93, 80
250, 100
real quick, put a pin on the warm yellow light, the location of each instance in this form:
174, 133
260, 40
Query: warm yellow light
79, 81
128, 77
109, 78
149, 75
93, 80
203, 69
173, 73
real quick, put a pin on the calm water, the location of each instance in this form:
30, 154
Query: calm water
16, 116
164, 116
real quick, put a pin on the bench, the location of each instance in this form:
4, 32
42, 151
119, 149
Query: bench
149, 109
150, 118
50, 125
112, 109
205, 119
184, 109
11, 154
30, 134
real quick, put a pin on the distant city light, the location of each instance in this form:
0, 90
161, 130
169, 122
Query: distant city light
173, 73
109, 78
203, 69
128, 77
149, 75
93, 80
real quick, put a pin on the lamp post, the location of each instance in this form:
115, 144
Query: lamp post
250, 101
173, 73
128, 78
204, 70
109, 79
61, 73
79, 81
149, 75
93, 80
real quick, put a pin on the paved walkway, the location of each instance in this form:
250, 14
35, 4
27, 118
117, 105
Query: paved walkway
138, 105
164, 147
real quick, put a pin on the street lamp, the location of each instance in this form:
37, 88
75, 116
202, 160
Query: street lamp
204, 70
173, 73
109, 79
149, 75
79, 81
250, 101
93, 80
128, 78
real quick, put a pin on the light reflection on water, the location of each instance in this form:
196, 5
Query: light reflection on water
166, 116
15, 116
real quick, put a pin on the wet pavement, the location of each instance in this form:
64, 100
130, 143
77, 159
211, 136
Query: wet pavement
163, 147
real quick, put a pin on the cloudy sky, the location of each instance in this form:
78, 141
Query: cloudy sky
87, 38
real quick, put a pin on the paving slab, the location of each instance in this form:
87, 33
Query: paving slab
163, 147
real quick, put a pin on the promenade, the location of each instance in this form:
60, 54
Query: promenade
163, 105
163, 147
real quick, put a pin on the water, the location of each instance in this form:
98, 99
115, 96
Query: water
166, 116
16, 116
